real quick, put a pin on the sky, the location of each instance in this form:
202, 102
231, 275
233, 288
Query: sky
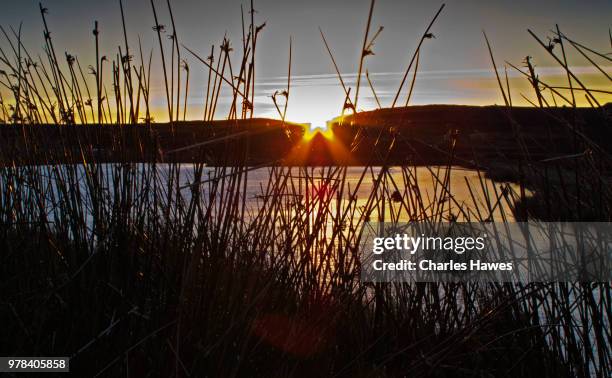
454, 67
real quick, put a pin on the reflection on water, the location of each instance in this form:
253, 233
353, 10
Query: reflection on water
320, 195
399, 194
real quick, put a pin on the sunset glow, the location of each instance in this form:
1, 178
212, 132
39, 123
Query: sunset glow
455, 67
326, 132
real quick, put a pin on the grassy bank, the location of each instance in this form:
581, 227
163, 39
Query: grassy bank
127, 274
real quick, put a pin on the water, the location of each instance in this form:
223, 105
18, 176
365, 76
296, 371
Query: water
324, 195
406, 192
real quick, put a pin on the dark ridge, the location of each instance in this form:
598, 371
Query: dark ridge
422, 135
432, 134
258, 139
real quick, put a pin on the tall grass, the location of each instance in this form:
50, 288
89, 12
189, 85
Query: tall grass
164, 269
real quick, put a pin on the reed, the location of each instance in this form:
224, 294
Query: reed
187, 270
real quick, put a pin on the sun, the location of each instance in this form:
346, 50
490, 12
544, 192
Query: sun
326, 131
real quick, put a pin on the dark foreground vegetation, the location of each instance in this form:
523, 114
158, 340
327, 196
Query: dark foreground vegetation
132, 270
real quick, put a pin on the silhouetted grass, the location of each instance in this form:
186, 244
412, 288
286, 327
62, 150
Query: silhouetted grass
161, 269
